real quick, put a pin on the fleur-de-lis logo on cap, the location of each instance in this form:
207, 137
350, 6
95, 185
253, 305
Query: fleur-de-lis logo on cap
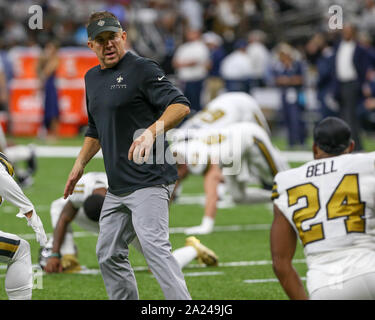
101, 23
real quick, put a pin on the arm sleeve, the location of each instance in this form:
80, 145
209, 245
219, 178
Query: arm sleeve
158, 90
91, 129
11, 192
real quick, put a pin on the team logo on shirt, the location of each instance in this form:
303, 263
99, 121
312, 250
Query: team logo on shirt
119, 84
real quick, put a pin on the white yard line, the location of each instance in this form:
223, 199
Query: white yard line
200, 199
203, 274
72, 152
185, 199
76, 234
232, 264
176, 230
14, 210
244, 227
266, 280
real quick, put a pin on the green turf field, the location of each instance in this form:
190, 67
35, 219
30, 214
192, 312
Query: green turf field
244, 272
251, 247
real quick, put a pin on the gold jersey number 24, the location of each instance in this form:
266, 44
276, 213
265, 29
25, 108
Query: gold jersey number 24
344, 202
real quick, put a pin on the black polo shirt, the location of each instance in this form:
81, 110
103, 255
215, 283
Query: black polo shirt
130, 96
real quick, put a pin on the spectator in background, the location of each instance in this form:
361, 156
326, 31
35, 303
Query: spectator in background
289, 77
236, 69
321, 55
324, 85
365, 40
351, 62
145, 34
14, 33
171, 26
46, 69
192, 62
367, 17
367, 107
214, 82
259, 57
192, 10
80, 35
228, 14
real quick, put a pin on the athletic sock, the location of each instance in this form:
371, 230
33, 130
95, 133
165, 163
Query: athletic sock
208, 223
185, 255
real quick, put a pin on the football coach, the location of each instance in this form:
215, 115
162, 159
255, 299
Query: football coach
126, 93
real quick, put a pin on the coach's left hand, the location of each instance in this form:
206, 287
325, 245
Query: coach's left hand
74, 176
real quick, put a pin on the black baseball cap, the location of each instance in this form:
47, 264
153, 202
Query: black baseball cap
332, 135
101, 25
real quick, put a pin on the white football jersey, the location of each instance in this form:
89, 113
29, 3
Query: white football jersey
234, 107
85, 186
83, 189
10, 190
330, 204
226, 109
240, 149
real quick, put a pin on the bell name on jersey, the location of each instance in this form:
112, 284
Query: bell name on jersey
320, 168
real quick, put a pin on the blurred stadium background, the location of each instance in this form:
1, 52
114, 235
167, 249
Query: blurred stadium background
157, 29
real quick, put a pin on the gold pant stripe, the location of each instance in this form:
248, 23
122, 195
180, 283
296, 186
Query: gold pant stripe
260, 122
267, 156
8, 247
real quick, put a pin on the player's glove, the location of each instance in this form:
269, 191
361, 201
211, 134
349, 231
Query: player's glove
37, 225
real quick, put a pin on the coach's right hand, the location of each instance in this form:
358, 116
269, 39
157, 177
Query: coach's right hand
74, 176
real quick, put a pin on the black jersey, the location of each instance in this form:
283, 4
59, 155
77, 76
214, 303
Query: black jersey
121, 100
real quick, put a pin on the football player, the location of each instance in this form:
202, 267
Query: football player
327, 203
228, 108
84, 207
20, 154
224, 110
237, 154
14, 251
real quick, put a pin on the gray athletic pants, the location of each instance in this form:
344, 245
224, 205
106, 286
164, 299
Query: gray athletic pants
144, 213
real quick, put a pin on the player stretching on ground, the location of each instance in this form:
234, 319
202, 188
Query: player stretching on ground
84, 207
236, 154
